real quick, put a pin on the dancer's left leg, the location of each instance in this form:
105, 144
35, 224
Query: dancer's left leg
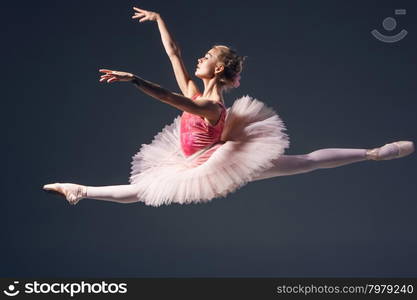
320, 159
334, 157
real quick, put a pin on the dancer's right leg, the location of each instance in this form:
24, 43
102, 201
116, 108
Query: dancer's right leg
75, 192
116, 193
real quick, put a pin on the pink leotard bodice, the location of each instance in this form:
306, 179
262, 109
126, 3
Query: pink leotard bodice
197, 134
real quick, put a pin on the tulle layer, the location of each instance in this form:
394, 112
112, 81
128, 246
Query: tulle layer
253, 136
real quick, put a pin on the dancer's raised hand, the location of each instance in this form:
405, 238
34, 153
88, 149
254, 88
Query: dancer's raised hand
112, 76
144, 15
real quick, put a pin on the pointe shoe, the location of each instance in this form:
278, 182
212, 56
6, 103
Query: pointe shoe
391, 151
72, 192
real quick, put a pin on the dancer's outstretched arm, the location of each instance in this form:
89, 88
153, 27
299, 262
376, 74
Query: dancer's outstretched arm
205, 108
187, 86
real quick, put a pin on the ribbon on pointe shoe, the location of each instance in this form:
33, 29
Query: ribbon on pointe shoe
373, 154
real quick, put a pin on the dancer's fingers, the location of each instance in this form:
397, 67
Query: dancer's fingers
121, 73
112, 79
105, 70
138, 9
118, 73
111, 72
143, 19
137, 15
105, 77
111, 76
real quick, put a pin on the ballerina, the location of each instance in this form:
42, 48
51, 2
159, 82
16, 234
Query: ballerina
210, 150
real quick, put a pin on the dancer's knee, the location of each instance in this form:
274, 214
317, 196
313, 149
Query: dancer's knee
311, 161
321, 159
287, 165
295, 164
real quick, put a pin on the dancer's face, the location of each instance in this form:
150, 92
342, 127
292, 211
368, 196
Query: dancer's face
209, 66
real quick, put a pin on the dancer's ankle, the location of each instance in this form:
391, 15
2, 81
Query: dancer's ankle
371, 154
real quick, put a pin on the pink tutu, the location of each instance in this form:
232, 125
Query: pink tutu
253, 136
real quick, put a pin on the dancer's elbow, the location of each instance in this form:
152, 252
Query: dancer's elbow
173, 51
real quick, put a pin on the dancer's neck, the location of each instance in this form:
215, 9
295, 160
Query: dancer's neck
212, 90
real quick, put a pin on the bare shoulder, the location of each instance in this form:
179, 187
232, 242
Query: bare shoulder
209, 102
212, 108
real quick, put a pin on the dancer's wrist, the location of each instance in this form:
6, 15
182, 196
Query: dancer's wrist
157, 17
136, 80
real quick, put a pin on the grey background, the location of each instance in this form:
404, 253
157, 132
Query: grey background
314, 62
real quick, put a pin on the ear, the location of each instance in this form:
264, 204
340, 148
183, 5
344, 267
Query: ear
218, 69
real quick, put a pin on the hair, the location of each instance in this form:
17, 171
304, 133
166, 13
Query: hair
233, 65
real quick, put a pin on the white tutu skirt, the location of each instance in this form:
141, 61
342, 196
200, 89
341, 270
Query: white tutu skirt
253, 137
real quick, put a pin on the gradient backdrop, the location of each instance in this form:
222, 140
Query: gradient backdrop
314, 62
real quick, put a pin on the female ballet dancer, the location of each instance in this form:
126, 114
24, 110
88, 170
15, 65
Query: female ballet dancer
210, 150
